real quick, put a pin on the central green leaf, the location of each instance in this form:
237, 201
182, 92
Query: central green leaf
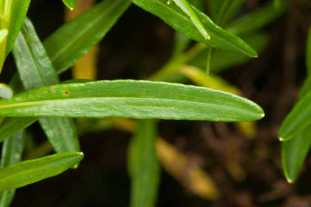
134, 99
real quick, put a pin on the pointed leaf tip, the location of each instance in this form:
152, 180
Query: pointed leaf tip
70, 4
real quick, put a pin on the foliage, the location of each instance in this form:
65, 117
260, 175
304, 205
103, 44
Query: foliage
217, 39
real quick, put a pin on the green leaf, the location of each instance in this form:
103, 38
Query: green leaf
6, 92
214, 7
186, 7
28, 172
227, 10
11, 154
257, 19
13, 13
135, 99
294, 152
11, 126
223, 60
181, 42
306, 87
173, 16
36, 69
70, 3
76, 38
18, 11
3, 35
68, 44
308, 53
297, 120
144, 168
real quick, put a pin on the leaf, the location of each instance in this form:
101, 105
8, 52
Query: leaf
11, 126
144, 168
36, 69
214, 7
70, 3
306, 87
28, 172
5, 91
196, 179
181, 42
308, 53
135, 99
186, 7
95, 22
76, 38
11, 154
199, 77
294, 152
223, 60
13, 13
173, 16
18, 11
227, 10
3, 35
257, 19
297, 120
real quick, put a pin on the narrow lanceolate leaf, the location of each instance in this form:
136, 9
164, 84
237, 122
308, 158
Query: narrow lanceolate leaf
28, 172
308, 53
227, 9
306, 87
77, 37
297, 120
135, 99
35, 70
13, 18
11, 126
294, 152
11, 154
70, 3
257, 19
175, 17
68, 44
181, 41
12, 14
186, 7
144, 166
225, 59
3, 39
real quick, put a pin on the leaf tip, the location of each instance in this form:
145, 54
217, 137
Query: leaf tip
70, 4
253, 53
262, 114
81, 154
289, 180
5, 91
80, 157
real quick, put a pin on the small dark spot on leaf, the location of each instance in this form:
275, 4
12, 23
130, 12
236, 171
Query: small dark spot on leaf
66, 93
